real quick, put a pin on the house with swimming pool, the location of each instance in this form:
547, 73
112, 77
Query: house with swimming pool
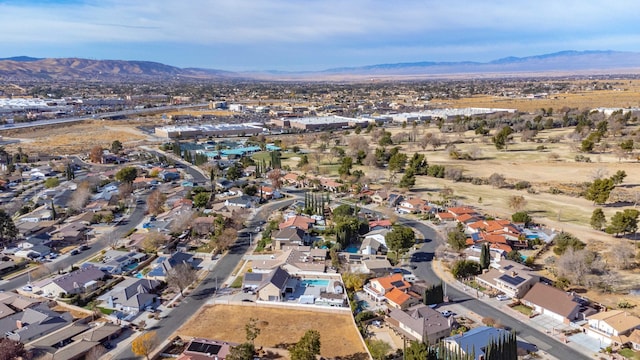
281, 286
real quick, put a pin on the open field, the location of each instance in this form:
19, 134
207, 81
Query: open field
338, 335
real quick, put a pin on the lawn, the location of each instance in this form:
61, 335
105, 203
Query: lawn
523, 309
338, 334
629, 354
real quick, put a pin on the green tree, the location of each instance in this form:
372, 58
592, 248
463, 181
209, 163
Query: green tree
345, 166
501, 139
8, 229
252, 330
587, 145
400, 238
127, 174
116, 146
244, 351
234, 172
564, 240
304, 160
200, 200
433, 295
465, 268
457, 238
624, 222
521, 217
408, 179
418, 163
52, 182
627, 145
485, 256
599, 190
307, 348
618, 177
397, 162
598, 220
378, 349
417, 350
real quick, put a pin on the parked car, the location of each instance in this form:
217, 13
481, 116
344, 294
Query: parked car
27, 288
502, 297
446, 313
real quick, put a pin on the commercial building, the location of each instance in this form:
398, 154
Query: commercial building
216, 130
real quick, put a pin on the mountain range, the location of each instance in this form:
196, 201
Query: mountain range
564, 62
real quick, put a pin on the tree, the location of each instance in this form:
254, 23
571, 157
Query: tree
504, 347
485, 256
252, 330
400, 238
127, 174
599, 190
353, 281
275, 177
497, 180
564, 241
307, 348
152, 241
501, 139
598, 220
11, 349
624, 222
181, 276
155, 202
8, 229
200, 200
397, 162
465, 268
244, 351
144, 344
433, 295
378, 349
225, 238
345, 166
517, 202
622, 255
408, 179
457, 238
618, 177
417, 350
521, 217
95, 155
574, 265
50, 183
116, 146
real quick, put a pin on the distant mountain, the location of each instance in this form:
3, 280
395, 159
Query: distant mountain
85, 69
566, 62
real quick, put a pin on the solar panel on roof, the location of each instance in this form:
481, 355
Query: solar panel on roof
204, 348
512, 280
397, 284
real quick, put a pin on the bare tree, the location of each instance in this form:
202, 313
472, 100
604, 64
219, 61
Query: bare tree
181, 276
95, 155
153, 240
125, 190
80, 196
182, 222
225, 239
357, 144
517, 202
497, 180
155, 202
599, 173
275, 176
574, 265
622, 255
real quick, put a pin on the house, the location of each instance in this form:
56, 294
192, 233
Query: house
420, 323
203, 225
276, 285
167, 176
205, 349
445, 216
374, 242
377, 267
401, 299
251, 280
76, 282
380, 224
71, 233
552, 302
475, 340
379, 197
378, 287
610, 327
393, 199
290, 236
117, 262
164, 264
33, 322
411, 206
300, 222
242, 201
17, 301
267, 192
131, 295
512, 278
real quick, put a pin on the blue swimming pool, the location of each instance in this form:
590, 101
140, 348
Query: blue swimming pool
532, 236
315, 282
352, 249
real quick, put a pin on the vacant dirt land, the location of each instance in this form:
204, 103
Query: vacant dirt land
338, 335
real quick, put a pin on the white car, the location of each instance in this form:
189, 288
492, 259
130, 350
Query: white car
447, 313
502, 297
27, 288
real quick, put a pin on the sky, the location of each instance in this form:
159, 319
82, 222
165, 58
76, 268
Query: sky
295, 35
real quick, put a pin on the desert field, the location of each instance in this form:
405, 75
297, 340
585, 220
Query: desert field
279, 326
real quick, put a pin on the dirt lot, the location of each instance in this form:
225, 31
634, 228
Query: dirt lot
338, 335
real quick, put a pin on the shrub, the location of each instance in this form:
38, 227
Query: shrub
522, 185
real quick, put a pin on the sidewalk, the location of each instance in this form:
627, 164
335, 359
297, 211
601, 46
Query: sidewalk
541, 323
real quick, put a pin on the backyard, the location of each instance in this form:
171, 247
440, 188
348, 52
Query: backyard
279, 327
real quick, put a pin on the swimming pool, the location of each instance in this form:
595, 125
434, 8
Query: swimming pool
352, 249
533, 236
315, 282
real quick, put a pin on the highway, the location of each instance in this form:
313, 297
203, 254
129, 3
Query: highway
207, 288
123, 113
